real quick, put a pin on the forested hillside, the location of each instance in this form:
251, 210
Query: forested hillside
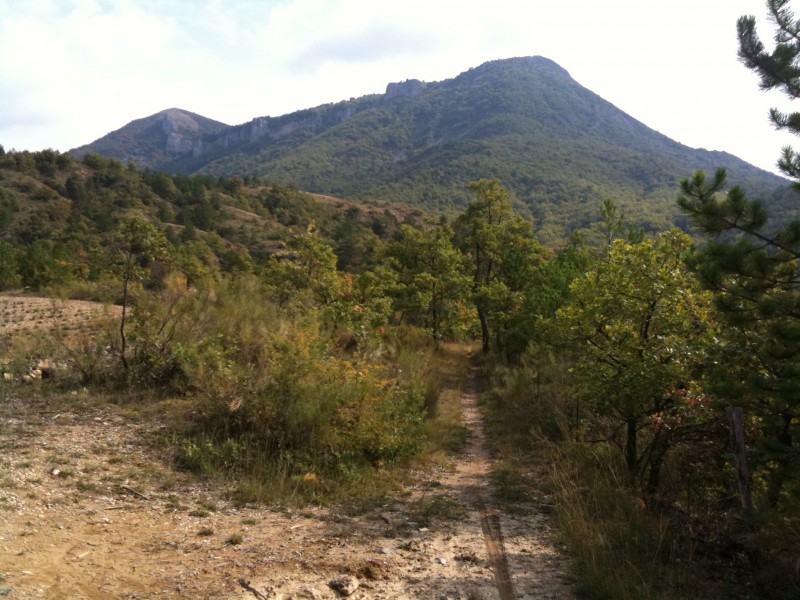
59, 217
556, 146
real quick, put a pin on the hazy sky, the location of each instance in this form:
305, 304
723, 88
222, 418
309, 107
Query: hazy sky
74, 70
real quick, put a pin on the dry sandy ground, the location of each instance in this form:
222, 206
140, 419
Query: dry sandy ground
89, 510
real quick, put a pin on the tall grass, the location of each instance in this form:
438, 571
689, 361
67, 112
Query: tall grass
621, 548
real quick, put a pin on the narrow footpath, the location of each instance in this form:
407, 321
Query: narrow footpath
469, 549
519, 548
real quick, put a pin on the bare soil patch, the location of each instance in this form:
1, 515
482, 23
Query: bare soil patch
26, 315
92, 507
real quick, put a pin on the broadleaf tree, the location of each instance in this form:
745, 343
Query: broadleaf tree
432, 282
504, 253
640, 328
134, 246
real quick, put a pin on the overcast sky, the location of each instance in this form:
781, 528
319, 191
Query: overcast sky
73, 70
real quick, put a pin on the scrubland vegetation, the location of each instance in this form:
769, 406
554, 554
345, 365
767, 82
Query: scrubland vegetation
298, 347
312, 373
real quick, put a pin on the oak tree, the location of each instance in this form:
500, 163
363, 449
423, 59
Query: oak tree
640, 328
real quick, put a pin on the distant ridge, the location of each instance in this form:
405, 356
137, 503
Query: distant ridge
560, 148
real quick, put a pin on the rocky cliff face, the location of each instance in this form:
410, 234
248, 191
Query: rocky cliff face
410, 88
181, 130
266, 130
178, 138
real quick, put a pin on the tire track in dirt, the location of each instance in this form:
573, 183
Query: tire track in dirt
478, 466
493, 536
478, 469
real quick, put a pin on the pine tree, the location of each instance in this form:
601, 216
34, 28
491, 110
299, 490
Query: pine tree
778, 69
753, 266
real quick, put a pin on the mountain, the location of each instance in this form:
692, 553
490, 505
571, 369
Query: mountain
558, 147
156, 140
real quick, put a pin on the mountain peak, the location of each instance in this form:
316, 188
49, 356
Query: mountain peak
553, 143
145, 140
530, 63
185, 119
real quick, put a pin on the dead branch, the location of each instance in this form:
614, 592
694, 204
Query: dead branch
135, 493
246, 585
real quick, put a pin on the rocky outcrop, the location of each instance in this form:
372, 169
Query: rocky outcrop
410, 88
171, 133
181, 130
176, 136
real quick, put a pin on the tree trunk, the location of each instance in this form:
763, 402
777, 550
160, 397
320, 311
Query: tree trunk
485, 336
437, 313
736, 418
123, 340
778, 477
630, 447
654, 474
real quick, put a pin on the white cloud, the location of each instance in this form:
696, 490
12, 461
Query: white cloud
380, 41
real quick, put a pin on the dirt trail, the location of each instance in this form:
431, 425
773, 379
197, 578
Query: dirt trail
472, 474
519, 548
89, 510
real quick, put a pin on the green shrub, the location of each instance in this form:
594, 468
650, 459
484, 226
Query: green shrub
272, 394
